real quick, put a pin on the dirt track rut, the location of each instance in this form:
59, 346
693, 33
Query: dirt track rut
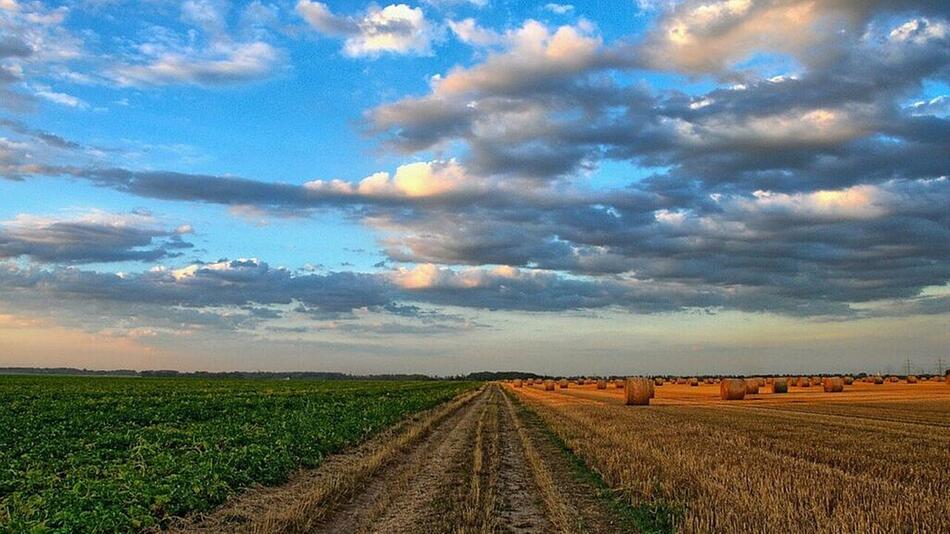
488, 468
482, 465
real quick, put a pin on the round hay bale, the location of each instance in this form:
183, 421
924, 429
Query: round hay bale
652, 389
877, 380
517, 382
803, 382
893, 379
693, 381
680, 381
911, 379
732, 389
563, 383
833, 384
848, 380
707, 380
637, 391
549, 385
619, 384
658, 381
601, 384
752, 386
816, 381
780, 385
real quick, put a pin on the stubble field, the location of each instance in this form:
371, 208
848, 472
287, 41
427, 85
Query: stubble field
873, 458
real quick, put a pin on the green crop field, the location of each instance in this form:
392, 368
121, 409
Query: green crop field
117, 454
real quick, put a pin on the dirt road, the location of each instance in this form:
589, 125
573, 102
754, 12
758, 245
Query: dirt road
480, 464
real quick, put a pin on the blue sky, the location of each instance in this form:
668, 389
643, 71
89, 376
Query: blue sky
347, 184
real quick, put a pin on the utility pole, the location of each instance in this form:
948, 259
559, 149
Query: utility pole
940, 366
907, 367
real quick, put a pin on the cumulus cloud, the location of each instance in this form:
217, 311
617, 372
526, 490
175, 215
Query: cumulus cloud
395, 29
818, 192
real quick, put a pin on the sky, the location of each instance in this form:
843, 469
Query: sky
448, 186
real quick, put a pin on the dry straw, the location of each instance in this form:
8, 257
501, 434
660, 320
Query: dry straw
549, 385
780, 385
752, 385
732, 389
833, 384
911, 379
693, 381
637, 391
601, 384
517, 382
848, 380
564, 383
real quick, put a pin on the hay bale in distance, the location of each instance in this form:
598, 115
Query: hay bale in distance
848, 380
619, 384
803, 382
911, 379
877, 380
780, 385
517, 382
563, 383
732, 389
549, 385
751, 386
637, 391
601, 384
657, 381
694, 381
833, 384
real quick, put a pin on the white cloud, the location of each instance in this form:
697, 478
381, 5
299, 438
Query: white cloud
560, 9
62, 99
414, 180
919, 31
224, 65
396, 29
469, 32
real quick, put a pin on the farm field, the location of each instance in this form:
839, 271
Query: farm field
115, 454
870, 459
481, 463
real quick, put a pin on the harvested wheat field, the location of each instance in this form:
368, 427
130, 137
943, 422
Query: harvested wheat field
871, 458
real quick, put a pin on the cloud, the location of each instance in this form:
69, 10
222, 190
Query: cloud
469, 32
699, 36
818, 192
225, 64
95, 237
62, 99
211, 55
559, 9
395, 29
